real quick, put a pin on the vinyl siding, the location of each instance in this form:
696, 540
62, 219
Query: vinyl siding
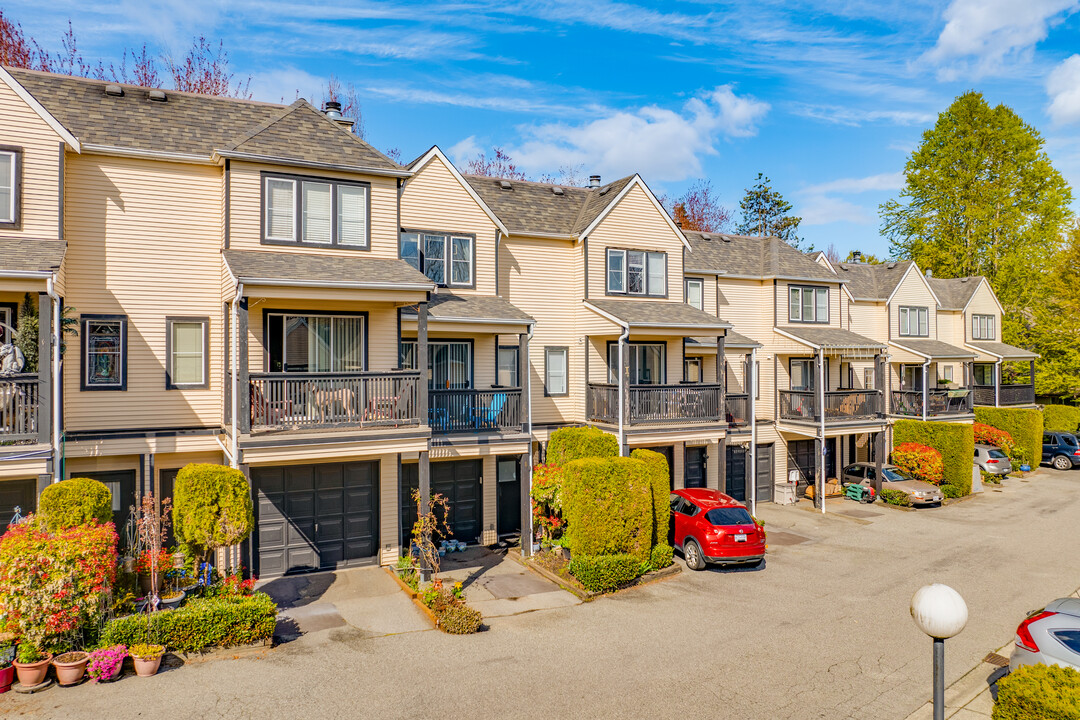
23, 128
912, 292
782, 309
869, 319
983, 302
143, 241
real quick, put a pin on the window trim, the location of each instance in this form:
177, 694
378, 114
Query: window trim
696, 360
448, 248
980, 322
84, 348
815, 288
16, 153
298, 211
565, 349
918, 311
517, 362
267, 312
470, 342
645, 274
642, 343
170, 321
810, 373
686, 291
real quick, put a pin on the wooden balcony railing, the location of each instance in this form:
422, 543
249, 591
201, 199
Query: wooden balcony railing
737, 409
295, 401
19, 401
939, 402
471, 411
840, 405
655, 404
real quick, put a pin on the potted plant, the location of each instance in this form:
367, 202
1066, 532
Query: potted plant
7, 656
147, 659
105, 664
70, 666
171, 599
31, 664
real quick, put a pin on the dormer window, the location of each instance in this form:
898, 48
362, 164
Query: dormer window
636, 272
314, 211
446, 258
808, 304
982, 327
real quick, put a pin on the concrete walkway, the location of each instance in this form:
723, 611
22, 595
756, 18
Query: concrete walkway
498, 586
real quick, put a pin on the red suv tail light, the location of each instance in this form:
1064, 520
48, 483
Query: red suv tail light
1023, 635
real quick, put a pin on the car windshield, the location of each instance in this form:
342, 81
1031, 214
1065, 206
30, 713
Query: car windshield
996, 454
729, 516
895, 475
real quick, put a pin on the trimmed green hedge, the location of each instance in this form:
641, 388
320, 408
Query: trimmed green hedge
211, 507
608, 505
955, 442
656, 469
604, 573
199, 624
573, 443
75, 502
661, 556
895, 497
1062, 418
1038, 692
1024, 424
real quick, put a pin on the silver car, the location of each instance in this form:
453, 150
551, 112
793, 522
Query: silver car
992, 460
1050, 636
893, 478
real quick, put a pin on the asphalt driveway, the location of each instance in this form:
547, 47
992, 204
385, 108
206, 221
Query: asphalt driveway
822, 631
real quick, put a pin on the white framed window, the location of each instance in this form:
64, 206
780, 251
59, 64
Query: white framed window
914, 322
507, 362
311, 343
315, 211
868, 378
982, 327
9, 186
648, 363
808, 304
636, 272
450, 363
556, 371
446, 259
187, 353
947, 372
692, 369
104, 352
695, 293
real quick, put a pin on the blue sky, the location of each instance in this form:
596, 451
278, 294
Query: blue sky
825, 97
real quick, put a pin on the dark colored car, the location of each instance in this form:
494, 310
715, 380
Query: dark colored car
711, 527
1061, 450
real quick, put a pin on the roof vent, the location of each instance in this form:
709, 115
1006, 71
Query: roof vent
157, 95
890, 266
605, 190
929, 272
725, 238
332, 108
964, 279
706, 236
505, 185
594, 181
114, 90
558, 190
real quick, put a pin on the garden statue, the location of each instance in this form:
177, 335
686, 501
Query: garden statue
11, 360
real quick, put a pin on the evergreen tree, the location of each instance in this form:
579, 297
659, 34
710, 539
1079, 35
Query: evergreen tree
765, 213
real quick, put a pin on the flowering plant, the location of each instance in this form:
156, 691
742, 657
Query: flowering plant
143, 562
990, 435
547, 499
105, 664
235, 584
53, 584
922, 461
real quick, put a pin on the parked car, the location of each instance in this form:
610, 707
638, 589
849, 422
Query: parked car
1061, 450
1050, 636
893, 478
992, 460
711, 527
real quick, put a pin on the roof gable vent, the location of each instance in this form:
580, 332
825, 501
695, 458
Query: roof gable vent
114, 90
157, 95
558, 190
505, 185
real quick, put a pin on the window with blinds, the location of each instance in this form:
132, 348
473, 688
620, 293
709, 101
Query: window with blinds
315, 343
315, 212
445, 258
187, 353
449, 363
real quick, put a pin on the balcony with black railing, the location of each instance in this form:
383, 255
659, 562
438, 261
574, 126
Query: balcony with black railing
19, 402
475, 411
840, 405
1006, 395
655, 404
737, 409
312, 401
940, 402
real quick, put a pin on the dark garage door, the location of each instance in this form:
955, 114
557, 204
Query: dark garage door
20, 494
459, 482
315, 517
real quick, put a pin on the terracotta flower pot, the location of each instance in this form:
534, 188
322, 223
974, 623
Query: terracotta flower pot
148, 666
6, 676
70, 667
31, 674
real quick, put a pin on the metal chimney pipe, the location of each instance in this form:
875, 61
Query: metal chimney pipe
594, 181
332, 108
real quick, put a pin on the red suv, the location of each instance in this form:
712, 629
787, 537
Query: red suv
711, 527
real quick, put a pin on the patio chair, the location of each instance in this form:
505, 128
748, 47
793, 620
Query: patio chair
265, 411
391, 408
487, 418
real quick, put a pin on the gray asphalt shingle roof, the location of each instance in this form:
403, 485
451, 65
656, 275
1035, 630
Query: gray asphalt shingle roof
833, 338
267, 267
873, 281
954, 293
530, 207
644, 313
448, 307
753, 257
731, 339
29, 255
192, 124
934, 349
1004, 350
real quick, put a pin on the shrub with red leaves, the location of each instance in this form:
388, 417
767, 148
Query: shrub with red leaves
922, 461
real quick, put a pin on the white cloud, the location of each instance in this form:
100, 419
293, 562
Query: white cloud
819, 204
980, 34
854, 117
464, 150
659, 143
1063, 87
284, 85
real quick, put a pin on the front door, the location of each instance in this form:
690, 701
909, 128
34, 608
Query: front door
121, 484
736, 472
509, 496
764, 473
20, 494
695, 467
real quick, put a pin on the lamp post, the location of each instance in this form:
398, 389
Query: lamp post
941, 613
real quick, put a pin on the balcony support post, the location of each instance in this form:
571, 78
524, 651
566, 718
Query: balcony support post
997, 383
424, 477
819, 496
624, 391
721, 464
243, 380
45, 388
422, 363
523, 381
1031, 378
879, 381
751, 399
925, 389
879, 460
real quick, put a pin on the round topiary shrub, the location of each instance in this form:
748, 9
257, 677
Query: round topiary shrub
661, 556
211, 507
75, 502
574, 443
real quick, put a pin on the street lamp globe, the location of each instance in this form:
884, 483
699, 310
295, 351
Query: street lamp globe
939, 611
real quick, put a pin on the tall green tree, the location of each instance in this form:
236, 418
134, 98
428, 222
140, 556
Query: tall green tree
765, 212
981, 197
1054, 330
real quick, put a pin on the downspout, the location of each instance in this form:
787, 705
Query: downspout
234, 460
751, 386
925, 387
527, 389
821, 412
58, 470
622, 386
